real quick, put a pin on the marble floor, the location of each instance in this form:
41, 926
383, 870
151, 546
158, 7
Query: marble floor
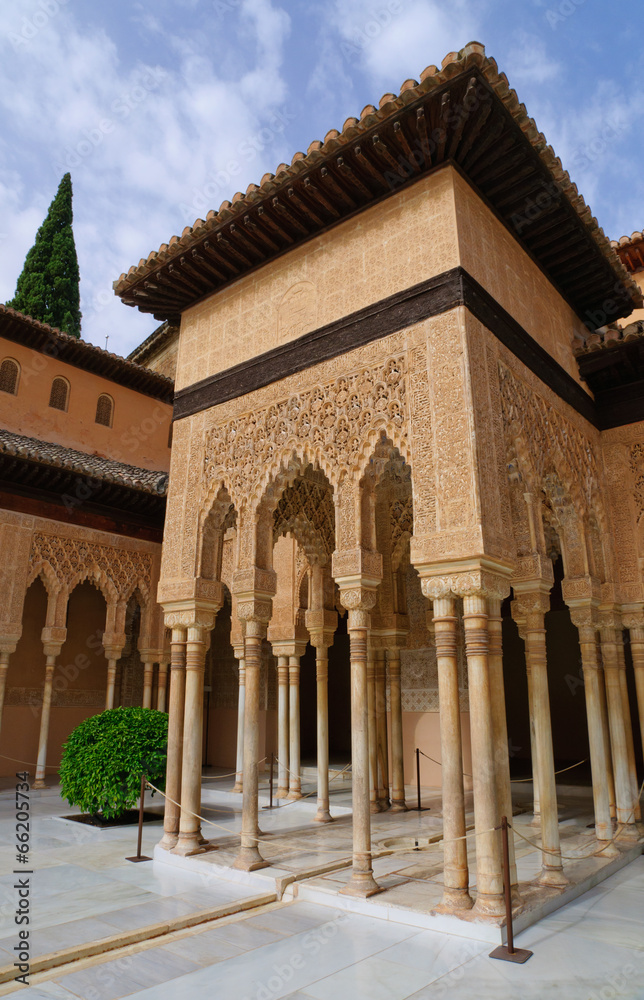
590, 950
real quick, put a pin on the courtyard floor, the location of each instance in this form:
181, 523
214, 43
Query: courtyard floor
306, 944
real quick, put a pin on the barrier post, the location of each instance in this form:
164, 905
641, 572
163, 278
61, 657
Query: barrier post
139, 856
508, 953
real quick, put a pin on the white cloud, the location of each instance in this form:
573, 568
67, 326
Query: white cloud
150, 147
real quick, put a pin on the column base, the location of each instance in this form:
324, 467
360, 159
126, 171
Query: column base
398, 806
384, 804
554, 878
490, 904
169, 841
629, 832
282, 793
238, 787
249, 860
453, 900
362, 885
536, 820
607, 849
293, 796
188, 844
375, 807
39, 783
323, 816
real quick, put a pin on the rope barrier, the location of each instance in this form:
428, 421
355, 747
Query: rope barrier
513, 781
31, 763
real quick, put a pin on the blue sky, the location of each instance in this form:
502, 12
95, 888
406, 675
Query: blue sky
163, 110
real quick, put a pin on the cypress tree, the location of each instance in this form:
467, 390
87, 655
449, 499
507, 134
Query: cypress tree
48, 288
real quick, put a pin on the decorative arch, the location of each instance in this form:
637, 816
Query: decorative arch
9, 376
104, 410
59, 394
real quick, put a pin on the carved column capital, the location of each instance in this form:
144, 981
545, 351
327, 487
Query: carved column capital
465, 578
633, 616
189, 615
53, 638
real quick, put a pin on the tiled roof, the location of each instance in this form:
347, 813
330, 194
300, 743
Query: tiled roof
94, 466
41, 337
153, 343
609, 337
496, 145
630, 250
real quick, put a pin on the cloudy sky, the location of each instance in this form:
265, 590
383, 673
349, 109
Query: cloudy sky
162, 110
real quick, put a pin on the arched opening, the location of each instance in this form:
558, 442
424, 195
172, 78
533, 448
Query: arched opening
9, 376
129, 669
104, 410
59, 395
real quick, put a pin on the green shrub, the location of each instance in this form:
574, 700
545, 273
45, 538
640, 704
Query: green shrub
104, 757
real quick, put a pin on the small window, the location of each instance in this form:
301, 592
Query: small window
59, 396
9, 375
104, 410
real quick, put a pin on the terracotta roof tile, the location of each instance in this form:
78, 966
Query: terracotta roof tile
106, 469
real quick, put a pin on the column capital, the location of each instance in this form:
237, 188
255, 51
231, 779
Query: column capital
476, 577
531, 602
207, 593
321, 624
9, 639
581, 590
357, 567
359, 600
609, 618
584, 616
292, 648
254, 583
633, 616
53, 638
190, 614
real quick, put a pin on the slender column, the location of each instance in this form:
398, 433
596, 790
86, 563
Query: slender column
162, 686
41, 760
499, 724
381, 730
374, 805
456, 875
637, 654
4, 666
249, 858
322, 680
282, 726
362, 882
628, 724
295, 780
395, 702
489, 874
111, 681
597, 731
241, 709
618, 739
172, 812
148, 674
190, 840
536, 808
608, 759
533, 605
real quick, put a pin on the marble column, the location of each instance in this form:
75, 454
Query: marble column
4, 666
172, 811
162, 686
249, 857
322, 682
111, 679
395, 702
489, 872
533, 605
148, 675
283, 733
456, 873
598, 740
359, 602
190, 840
381, 730
374, 805
536, 808
635, 623
241, 710
499, 725
628, 723
617, 723
295, 779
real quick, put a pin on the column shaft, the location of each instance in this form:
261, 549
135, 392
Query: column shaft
111, 683
617, 724
456, 875
41, 760
295, 780
249, 858
499, 723
322, 680
395, 702
172, 812
381, 730
4, 666
283, 734
628, 724
637, 654
148, 674
162, 687
536, 807
241, 710
373, 732
362, 882
190, 840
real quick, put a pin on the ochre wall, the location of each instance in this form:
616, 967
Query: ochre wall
407, 238
140, 426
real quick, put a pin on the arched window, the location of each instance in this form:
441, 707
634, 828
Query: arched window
104, 410
9, 376
59, 396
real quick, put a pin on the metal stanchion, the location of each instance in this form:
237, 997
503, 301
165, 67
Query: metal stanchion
419, 807
270, 784
139, 856
508, 953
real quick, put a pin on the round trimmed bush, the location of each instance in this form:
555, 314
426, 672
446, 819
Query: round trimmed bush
104, 757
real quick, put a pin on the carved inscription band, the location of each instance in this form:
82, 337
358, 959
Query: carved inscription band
429, 298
